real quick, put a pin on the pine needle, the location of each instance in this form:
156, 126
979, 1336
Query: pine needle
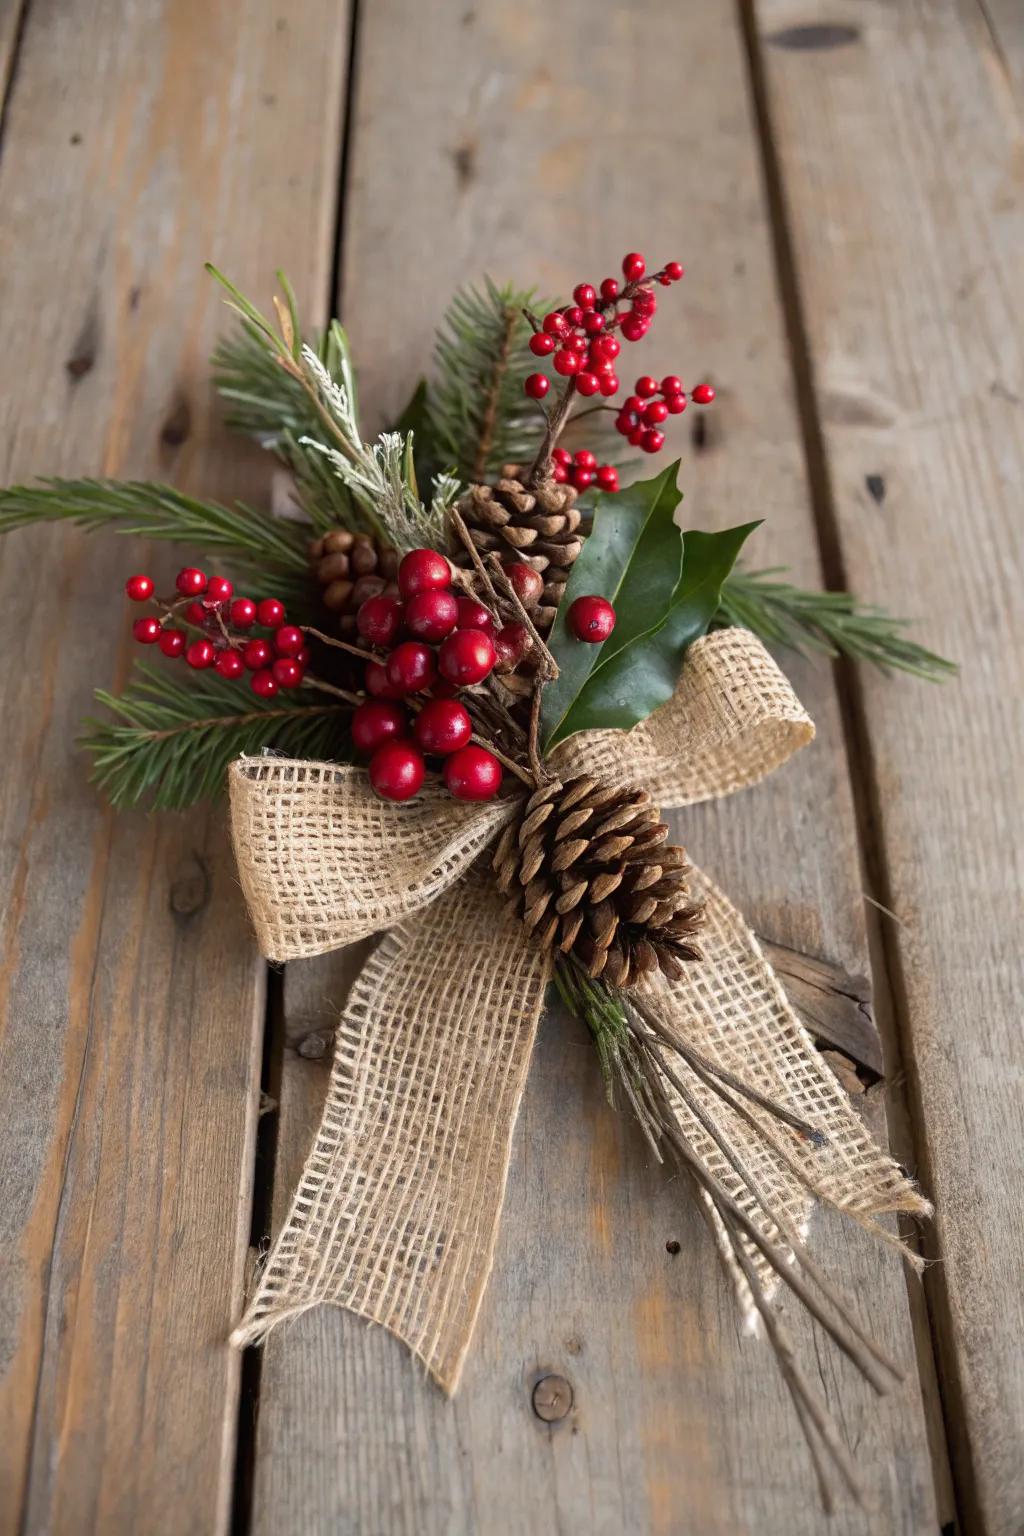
171, 742
831, 623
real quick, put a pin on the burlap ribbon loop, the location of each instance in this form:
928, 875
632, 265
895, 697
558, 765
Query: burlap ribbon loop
397, 1211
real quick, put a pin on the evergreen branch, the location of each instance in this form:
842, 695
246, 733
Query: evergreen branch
172, 742
832, 623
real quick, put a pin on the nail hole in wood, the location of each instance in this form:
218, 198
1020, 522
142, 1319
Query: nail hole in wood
673, 1246
552, 1399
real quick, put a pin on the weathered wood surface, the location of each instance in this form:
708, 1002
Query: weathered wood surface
137, 142
677, 1423
901, 157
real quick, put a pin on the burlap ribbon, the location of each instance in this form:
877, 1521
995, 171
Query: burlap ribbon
397, 1210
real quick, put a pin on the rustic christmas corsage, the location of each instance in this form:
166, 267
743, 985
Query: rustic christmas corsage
456, 721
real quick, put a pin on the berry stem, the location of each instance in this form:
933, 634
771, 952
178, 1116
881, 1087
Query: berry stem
513, 767
339, 693
340, 645
556, 420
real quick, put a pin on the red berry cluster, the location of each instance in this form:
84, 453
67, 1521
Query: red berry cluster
432, 643
641, 416
581, 469
208, 604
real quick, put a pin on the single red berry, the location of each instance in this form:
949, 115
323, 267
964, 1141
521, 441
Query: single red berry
566, 362
536, 385
173, 642
634, 329
257, 654
588, 383
645, 303
633, 403
625, 422
200, 654
598, 364
591, 619
559, 474
577, 343
288, 640
190, 582
379, 620
139, 588
195, 613
561, 455
609, 384
655, 413
375, 722
585, 459
703, 394
396, 771
511, 644
421, 570
473, 774
303, 658
242, 612
375, 680
584, 295
466, 657
574, 315
541, 343
218, 589
636, 437
555, 324
646, 386
263, 683
652, 440
580, 477
671, 384
633, 267
593, 322
287, 672
473, 615
431, 615
230, 664
527, 583
609, 290
673, 271
442, 726
608, 477
608, 347
147, 631
676, 404
270, 612
411, 666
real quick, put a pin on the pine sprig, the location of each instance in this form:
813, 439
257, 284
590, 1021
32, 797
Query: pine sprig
832, 623
171, 743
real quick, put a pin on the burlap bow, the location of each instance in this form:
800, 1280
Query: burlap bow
397, 1211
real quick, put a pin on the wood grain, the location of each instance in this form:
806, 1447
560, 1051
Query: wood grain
138, 141
511, 164
901, 160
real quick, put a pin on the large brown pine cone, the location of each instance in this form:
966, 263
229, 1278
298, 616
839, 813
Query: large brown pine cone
349, 568
591, 873
538, 526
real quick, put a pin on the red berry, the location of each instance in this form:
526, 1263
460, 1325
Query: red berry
218, 589
139, 588
270, 612
536, 386
396, 771
671, 384
242, 612
584, 295
375, 680
633, 328
303, 657
646, 386
287, 672
473, 774
608, 477
652, 440
636, 437
376, 722
673, 271
585, 459
574, 315
555, 324
676, 404
230, 664
559, 474
625, 421
581, 478
466, 657
257, 654
147, 631
421, 570
578, 344
527, 583
263, 683
593, 322
473, 615
609, 290
195, 613
443, 726
561, 455
607, 347
633, 403
633, 267
703, 394
431, 615
645, 303
288, 640
592, 619
655, 413
512, 644
541, 343
379, 620
566, 362
200, 654
190, 582
609, 384
411, 666
588, 383
173, 642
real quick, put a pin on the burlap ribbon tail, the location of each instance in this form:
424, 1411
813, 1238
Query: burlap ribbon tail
397, 1210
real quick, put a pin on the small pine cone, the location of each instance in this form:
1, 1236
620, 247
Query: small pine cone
349, 568
590, 872
537, 526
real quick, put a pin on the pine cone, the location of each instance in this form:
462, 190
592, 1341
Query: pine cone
537, 526
592, 874
349, 568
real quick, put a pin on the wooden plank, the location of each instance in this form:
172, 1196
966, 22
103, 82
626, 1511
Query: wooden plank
900, 155
137, 142
604, 1276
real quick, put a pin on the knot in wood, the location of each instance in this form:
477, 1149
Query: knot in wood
552, 1398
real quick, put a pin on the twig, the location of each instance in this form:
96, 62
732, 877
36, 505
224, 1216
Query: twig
556, 421
513, 767
339, 693
474, 553
341, 645
549, 662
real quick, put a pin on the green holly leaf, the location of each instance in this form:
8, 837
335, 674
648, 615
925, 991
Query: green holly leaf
618, 684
